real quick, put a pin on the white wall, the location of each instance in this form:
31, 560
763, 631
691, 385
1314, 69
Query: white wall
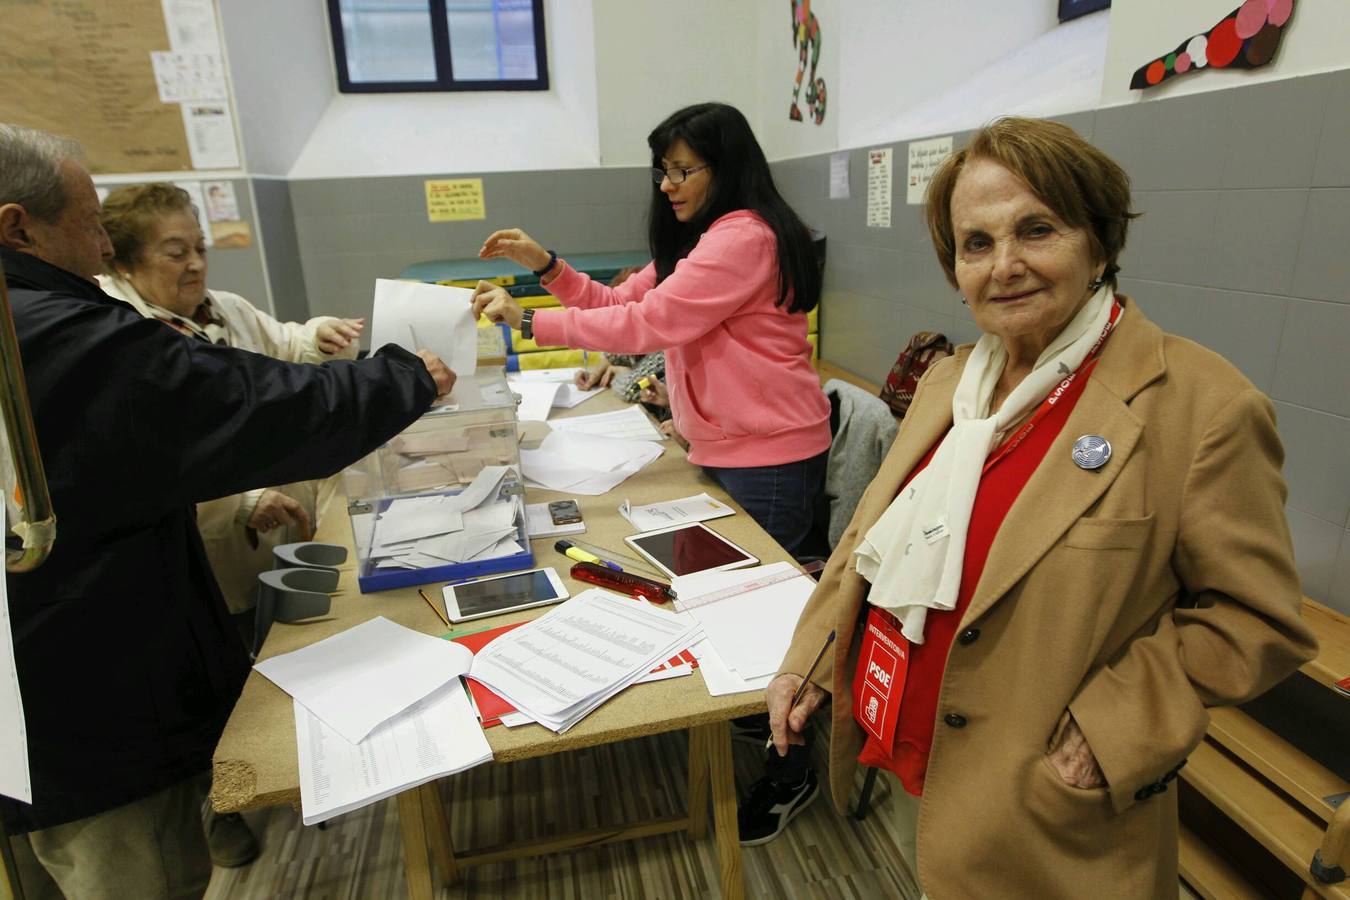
1317, 39
653, 57
901, 54
777, 69
281, 68
433, 133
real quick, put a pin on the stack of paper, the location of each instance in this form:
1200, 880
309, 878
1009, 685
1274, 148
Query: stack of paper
584, 463
436, 737
629, 423
439, 529
747, 634
378, 708
568, 396
698, 508
561, 666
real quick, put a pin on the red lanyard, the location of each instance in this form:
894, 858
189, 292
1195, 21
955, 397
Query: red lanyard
1085, 369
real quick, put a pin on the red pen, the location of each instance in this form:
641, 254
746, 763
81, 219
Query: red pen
623, 582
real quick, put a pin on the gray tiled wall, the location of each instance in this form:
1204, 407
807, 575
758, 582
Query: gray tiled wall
351, 231
1246, 201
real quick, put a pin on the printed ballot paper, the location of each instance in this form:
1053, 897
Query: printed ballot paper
561, 666
427, 317
436, 736
366, 675
698, 508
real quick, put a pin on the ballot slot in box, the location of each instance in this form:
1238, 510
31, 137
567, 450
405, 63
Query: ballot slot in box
444, 499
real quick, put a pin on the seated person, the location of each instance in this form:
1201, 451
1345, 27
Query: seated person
159, 266
623, 374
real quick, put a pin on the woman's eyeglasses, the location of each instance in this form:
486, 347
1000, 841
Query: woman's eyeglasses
676, 176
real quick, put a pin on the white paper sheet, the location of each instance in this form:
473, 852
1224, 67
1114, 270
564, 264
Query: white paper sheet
751, 632
585, 464
698, 508
718, 679
879, 188
191, 25
839, 175
411, 518
210, 135
536, 399
567, 374
426, 316
437, 736
629, 423
538, 523
14, 776
567, 662
569, 395
365, 675
188, 76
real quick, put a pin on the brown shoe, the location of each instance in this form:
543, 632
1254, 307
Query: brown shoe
231, 842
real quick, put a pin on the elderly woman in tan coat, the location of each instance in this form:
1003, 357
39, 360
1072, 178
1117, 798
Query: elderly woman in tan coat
1076, 545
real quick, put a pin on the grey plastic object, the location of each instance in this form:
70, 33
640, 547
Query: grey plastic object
309, 555
290, 595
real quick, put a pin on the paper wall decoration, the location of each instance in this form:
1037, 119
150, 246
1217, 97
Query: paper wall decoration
1246, 38
806, 38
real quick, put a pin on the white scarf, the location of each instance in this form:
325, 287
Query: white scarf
913, 554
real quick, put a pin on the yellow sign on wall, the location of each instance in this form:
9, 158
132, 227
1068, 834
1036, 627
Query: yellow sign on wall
456, 200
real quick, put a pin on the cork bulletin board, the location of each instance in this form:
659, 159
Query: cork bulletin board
139, 83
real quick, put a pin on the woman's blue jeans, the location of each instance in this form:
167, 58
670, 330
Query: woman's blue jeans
780, 498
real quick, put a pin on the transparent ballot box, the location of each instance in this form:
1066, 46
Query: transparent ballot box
444, 499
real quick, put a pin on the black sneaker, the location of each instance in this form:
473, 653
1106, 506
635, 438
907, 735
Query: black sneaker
751, 730
769, 807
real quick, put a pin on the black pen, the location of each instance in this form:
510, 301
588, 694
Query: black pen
801, 688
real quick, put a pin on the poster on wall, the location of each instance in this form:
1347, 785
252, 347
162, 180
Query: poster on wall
924, 159
228, 228
1246, 38
455, 200
879, 188
806, 40
839, 175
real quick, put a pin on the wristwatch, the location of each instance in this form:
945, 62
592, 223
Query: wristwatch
527, 324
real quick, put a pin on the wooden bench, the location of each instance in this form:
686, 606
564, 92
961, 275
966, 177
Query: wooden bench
1254, 808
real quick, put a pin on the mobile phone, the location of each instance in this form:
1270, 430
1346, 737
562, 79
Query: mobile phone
498, 594
564, 512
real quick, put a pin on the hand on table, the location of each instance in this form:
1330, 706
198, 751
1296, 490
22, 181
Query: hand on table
1074, 760
275, 509
601, 376
668, 429
336, 335
787, 728
440, 372
656, 394
494, 302
517, 246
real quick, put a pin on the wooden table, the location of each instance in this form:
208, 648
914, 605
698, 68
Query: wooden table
256, 765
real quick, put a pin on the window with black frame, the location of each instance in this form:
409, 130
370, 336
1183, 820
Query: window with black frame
438, 45
1072, 9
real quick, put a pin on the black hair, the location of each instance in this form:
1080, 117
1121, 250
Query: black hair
721, 136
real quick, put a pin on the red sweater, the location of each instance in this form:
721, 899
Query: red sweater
999, 488
742, 388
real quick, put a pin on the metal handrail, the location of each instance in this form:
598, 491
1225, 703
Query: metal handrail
37, 527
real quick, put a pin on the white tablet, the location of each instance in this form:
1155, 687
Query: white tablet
686, 549
502, 594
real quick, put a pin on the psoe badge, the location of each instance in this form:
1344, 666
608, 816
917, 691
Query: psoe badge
1091, 451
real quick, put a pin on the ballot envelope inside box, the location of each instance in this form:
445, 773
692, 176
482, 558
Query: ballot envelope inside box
443, 500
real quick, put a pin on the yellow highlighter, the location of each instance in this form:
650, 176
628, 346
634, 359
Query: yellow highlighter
645, 383
572, 552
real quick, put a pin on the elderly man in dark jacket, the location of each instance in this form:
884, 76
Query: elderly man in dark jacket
127, 662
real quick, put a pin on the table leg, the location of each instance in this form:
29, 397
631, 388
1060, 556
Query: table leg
438, 833
416, 864
698, 782
718, 737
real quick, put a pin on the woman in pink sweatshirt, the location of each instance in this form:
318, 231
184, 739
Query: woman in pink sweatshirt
732, 276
